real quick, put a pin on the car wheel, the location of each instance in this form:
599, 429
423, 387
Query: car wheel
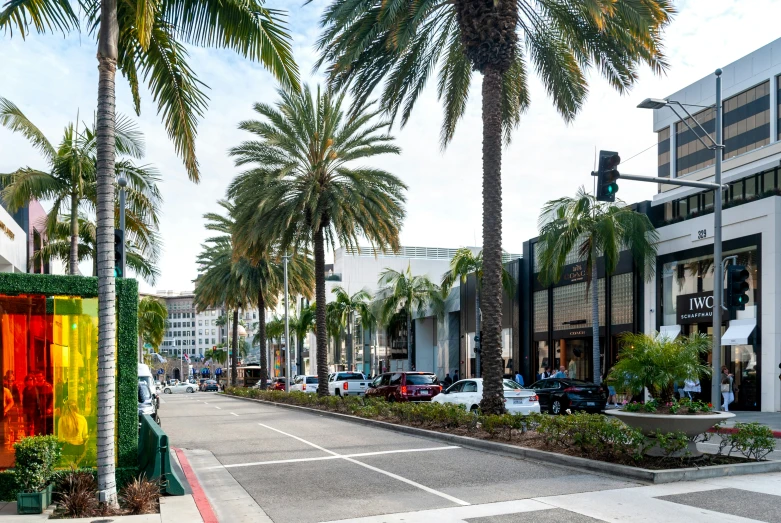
555, 407
190, 390
167, 391
337, 392
475, 409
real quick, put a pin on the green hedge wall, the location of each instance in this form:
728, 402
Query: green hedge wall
126, 372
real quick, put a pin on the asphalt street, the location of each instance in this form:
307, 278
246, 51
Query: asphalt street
258, 462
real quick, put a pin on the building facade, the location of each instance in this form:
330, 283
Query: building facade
679, 299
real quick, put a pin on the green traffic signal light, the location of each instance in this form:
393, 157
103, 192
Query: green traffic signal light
612, 188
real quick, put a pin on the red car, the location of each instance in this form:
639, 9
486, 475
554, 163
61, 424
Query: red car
405, 386
277, 384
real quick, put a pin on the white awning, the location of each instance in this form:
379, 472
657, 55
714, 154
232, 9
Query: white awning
670, 331
739, 331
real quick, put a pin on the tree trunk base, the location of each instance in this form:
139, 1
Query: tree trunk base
492, 405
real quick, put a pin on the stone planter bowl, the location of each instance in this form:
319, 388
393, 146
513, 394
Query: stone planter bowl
691, 424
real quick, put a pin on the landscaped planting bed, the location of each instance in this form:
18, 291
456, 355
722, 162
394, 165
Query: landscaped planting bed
592, 436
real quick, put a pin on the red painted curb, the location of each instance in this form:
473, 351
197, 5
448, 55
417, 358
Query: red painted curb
733, 430
201, 501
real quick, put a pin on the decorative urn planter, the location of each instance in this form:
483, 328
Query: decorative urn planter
691, 424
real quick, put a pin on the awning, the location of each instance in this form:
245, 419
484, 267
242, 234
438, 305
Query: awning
670, 331
739, 331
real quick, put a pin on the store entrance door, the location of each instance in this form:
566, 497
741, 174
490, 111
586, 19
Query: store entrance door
575, 355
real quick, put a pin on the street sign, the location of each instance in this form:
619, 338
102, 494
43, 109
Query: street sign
160, 371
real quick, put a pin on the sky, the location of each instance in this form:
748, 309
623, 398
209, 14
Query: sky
53, 79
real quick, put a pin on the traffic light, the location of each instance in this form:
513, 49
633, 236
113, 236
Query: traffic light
119, 253
737, 287
607, 174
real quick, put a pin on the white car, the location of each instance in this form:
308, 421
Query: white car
179, 388
303, 383
469, 392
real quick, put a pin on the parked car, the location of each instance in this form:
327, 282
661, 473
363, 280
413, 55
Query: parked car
210, 386
405, 386
277, 383
304, 383
559, 394
469, 392
347, 384
145, 375
146, 403
180, 387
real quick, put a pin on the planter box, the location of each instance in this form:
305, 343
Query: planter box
33, 502
691, 424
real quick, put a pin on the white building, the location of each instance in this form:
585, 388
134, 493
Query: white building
677, 298
13, 244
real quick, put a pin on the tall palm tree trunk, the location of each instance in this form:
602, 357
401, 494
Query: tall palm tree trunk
493, 394
595, 360
262, 336
320, 328
74, 254
107, 68
235, 349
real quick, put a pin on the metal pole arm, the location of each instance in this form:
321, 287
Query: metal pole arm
670, 181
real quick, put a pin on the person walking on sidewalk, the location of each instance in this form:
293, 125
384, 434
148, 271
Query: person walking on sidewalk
727, 391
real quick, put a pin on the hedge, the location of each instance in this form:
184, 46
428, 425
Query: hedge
127, 358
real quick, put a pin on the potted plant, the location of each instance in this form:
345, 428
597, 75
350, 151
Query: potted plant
36, 457
657, 363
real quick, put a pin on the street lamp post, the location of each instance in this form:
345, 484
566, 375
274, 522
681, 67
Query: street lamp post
718, 271
287, 330
122, 184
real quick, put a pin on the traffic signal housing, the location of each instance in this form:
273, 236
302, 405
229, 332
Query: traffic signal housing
119, 253
737, 287
607, 174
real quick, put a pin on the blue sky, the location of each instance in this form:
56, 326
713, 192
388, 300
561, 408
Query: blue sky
54, 79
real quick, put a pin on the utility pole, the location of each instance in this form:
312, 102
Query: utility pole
122, 184
286, 258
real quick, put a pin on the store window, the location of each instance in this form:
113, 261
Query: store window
541, 311
621, 299
691, 154
572, 306
48, 359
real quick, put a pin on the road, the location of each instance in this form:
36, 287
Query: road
254, 458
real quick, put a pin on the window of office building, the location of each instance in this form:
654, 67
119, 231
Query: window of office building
747, 120
778, 99
621, 298
663, 152
691, 154
571, 303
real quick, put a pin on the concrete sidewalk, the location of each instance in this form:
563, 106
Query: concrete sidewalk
769, 419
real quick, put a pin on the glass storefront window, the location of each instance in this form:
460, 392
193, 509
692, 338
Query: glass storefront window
542, 356
573, 303
621, 299
48, 353
541, 311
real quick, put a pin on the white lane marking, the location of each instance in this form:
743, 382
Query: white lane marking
205, 403
235, 414
339, 456
375, 469
216, 407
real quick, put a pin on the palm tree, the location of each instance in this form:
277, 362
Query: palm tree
146, 41
217, 355
301, 324
69, 179
347, 306
464, 263
398, 45
401, 290
304, 190
152, 319
593, 229
334, 328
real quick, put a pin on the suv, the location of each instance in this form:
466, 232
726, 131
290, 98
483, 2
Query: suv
405, 386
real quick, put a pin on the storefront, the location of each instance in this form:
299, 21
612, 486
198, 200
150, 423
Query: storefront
685, 306
560, 327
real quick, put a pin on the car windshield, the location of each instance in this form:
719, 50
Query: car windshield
311, 380
346, 376
510, 384
421, 379
143, 393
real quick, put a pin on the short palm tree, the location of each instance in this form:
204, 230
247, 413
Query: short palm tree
303, 188
397, 46
152, 318
216, 355
334, 328
146, 40
348, 306
593, 229
401, 290
302, 323
464, 263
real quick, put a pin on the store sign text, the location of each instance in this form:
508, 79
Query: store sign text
6, 230
695, 308
574, 273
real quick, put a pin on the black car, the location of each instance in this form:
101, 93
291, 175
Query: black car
559, 394
210, 385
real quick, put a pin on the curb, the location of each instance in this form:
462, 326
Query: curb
201, 501
733, 430
633, 473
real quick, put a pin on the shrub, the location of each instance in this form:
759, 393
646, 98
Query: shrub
77, 493
141, 496
35, 460
673, 444
753, 440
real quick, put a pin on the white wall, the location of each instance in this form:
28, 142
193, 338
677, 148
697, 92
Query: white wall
13, 251
759, 217
425, 345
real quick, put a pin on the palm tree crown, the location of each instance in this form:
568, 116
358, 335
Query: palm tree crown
593, 229
303, 188
348, 306
152, 318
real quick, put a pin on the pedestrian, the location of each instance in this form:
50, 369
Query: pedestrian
544, 373
727, 391
519, 378
455, 376
562, 372
690, 388
448, 381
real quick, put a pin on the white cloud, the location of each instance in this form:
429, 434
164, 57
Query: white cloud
52, 78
